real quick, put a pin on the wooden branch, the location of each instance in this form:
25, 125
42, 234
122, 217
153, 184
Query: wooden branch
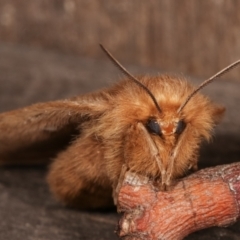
207, 198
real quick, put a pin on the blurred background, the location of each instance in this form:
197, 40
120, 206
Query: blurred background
50, 50
193, 37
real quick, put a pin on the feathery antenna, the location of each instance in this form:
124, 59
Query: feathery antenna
124, 70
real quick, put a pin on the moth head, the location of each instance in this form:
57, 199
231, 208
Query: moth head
173, 132
177, 134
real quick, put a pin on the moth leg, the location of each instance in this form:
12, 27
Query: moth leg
118, 186
193, 166
77, 177
141, 154
126, 176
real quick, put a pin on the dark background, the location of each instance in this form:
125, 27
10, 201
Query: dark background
49, 50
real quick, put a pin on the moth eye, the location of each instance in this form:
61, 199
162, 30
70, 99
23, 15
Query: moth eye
181, 125
153, 127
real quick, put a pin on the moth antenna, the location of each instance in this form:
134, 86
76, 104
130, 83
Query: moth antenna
206, 82
128, 74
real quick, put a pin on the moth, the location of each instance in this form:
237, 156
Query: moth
152, 126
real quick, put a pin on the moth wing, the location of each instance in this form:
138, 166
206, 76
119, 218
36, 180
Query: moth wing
34, 134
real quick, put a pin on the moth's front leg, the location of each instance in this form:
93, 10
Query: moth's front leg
117, 186
141, 158
141, 153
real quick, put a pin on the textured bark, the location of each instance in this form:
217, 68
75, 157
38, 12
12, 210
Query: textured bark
207, 198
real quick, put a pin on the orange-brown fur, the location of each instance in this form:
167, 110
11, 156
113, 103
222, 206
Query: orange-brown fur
108, 130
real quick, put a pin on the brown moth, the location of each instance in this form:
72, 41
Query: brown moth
152, 126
